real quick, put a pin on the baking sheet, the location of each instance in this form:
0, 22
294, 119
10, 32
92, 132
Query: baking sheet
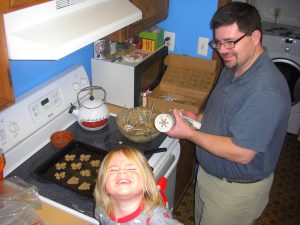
74, 167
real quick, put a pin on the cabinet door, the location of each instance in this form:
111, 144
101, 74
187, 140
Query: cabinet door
185, 170
6, 89
18, 4
6, 93
154, 11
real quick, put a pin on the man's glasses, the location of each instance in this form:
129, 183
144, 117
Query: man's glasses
226, 44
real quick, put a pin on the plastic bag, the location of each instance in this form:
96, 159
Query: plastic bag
18, 202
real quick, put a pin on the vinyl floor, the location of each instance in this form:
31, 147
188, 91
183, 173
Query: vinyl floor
284, 205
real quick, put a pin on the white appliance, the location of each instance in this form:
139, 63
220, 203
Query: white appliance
125, 81
26, 126
283, 45
54, 29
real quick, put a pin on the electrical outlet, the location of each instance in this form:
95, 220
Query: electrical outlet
202, 46
277, 12
169, 38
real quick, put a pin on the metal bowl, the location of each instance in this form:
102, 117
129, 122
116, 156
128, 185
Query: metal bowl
137, 124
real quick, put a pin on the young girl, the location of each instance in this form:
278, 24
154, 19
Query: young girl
126, 192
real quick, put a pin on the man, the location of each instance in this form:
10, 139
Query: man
243, 125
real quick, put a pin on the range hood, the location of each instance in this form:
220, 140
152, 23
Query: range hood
54, 29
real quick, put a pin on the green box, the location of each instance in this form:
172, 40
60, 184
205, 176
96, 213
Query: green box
156, 34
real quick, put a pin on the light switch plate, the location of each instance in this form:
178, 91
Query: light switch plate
202, 46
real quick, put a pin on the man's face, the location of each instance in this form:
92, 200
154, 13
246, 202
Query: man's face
241, 55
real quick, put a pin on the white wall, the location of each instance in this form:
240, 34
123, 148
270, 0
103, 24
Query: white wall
290, 10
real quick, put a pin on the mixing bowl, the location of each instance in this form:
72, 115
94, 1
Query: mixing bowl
137, 124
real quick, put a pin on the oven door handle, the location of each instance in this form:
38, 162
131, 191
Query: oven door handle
154, 150
168, 165
176, 154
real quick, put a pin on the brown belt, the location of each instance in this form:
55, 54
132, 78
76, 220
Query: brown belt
236, 181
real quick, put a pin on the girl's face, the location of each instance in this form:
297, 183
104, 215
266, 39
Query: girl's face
123, 181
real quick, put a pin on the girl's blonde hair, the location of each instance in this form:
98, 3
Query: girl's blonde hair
152, 197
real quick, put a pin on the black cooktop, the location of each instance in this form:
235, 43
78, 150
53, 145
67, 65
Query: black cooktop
106, 139
110, 137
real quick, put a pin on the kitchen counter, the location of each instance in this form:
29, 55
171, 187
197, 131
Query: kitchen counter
55, 216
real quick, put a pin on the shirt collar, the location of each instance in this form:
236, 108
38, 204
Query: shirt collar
248, 74
129, 217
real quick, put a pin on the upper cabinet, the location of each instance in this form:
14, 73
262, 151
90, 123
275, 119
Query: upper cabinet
7, 93
18, 4
154, 11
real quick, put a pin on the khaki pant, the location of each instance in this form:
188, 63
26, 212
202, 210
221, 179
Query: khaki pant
218, 202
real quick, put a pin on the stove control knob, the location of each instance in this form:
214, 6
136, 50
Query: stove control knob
289, 41
84, 82
13, 127
76, 86
287, 49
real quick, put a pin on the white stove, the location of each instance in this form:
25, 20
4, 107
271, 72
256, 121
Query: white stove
26, 127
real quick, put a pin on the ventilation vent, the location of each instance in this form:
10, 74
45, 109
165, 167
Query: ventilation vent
65, 3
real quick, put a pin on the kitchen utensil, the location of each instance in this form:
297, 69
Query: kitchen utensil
165, 121
135, 125
151, 112
92, 114
61, 138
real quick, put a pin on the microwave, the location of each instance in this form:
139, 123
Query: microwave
125, 81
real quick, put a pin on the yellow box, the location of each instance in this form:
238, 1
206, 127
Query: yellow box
186, 84
148, 45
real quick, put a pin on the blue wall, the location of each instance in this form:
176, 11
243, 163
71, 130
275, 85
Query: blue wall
188, 19
27, 74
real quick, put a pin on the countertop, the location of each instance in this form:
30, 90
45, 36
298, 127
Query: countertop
55, 216
281, 30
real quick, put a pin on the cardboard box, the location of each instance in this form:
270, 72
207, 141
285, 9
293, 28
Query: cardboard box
154, 37
186, 84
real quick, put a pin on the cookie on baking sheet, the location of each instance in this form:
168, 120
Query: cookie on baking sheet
73, 180
85, 173
95, 163
84, 157
76, 166
60, 175
61, 166
84, 186
70, 157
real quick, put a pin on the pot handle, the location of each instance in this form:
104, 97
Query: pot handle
91, 88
